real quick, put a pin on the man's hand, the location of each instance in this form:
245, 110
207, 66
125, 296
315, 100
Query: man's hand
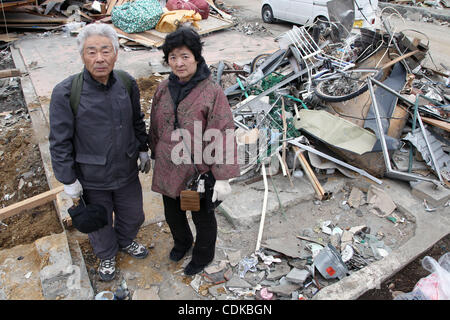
221, 189
145, 163
74, 190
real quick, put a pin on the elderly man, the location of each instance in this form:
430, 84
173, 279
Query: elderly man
96, 143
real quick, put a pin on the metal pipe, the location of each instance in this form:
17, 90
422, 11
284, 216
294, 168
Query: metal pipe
389, 172
342, 163
378, 83
436, 165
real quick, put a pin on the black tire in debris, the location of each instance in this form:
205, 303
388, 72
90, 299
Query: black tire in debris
345, 85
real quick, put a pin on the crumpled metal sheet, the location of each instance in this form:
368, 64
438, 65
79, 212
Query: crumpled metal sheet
442, 159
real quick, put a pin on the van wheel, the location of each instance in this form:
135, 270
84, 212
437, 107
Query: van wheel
322, 23
267, 14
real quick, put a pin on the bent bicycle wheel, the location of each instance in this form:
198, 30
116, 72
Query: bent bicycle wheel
345, 85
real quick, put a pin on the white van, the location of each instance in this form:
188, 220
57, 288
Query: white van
306, 12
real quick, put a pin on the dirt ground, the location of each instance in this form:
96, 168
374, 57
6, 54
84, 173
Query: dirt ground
406, 279
21, 171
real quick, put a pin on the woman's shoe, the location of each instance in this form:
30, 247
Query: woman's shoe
193, 268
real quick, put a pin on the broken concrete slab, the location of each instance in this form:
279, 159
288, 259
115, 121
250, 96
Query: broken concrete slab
284, 290
244, 211
373, 275
146, 294
59, 277
281, 269
290, 247
356, 198
237, 282
215, 268
217, 290
434, 195
380, 203
13, 283
234, 257
297, 276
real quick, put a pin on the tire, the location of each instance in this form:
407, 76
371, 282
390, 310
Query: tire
259, 59
323, 23
267, 14
351, 83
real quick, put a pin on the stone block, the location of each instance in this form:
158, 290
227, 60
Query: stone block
60, 279
281, 270
428, 191
297, 276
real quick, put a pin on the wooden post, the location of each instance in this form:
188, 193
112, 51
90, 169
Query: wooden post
320, 192
10, 73
30, 203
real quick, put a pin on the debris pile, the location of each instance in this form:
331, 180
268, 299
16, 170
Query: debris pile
364, 102
125, 16
439, 4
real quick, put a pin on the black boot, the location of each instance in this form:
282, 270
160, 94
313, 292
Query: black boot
193, 268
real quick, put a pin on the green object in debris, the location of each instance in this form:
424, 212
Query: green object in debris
242, 87
392, 219
298, 100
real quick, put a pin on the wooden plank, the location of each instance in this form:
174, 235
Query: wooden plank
22, 17
143, 38
4, 5
437, 123
320, 192
10, 73
111, 6
8, 37
223, 14
391, 63
33, 26
212, 24
30, 203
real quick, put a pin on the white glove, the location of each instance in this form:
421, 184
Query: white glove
221, 190
145, 162
74, 190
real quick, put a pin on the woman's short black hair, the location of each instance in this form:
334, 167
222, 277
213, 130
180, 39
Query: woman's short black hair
183, 36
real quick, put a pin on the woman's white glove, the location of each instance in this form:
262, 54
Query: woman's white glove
221, 190
74, 190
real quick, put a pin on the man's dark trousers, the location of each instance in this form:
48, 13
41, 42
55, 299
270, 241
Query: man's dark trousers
127, 205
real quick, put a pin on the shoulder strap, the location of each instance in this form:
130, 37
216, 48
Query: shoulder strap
125, 79
77, 86
75, 92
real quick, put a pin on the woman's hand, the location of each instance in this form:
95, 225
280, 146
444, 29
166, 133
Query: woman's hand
221, 190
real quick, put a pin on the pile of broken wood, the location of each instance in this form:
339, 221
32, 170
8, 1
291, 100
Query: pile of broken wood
30, 15
424, 3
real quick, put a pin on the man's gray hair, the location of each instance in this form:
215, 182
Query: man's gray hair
97, 29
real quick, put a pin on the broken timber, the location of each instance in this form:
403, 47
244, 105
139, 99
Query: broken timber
30, 203
10, 73
320, 192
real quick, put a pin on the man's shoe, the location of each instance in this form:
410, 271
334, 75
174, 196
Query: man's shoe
176, 254
193, 268
136, 250
107, 269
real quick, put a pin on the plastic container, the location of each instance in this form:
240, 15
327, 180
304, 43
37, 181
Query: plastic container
330, 264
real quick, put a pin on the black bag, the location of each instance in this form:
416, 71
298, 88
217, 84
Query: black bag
88, 218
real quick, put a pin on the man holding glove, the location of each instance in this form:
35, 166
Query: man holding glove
97, 142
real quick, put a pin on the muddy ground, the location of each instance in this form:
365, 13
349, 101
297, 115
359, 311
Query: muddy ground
22, 173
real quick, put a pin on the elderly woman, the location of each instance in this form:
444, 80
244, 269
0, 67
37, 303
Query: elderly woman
190, 104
